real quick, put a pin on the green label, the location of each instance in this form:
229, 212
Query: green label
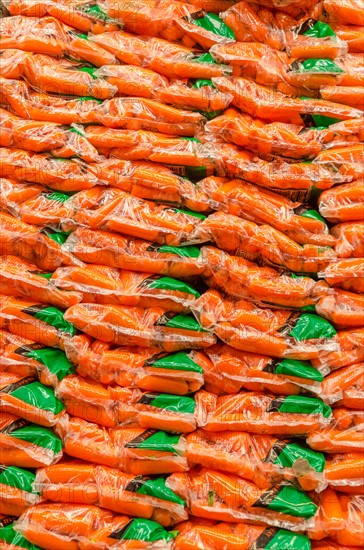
316, 66
195, 173
167, 283
96, 12
141, 529
205, 58
89, 98
280, 539
151, 440
190, 213
81, 35
212, 23
17, 477
184, 322
183, 252
298, 404
285, 454
9, 535
302, 369
52, 316
177, 361
290, 500
55, 196
202, 82
40, 436
309, 325
39, 396
89, 70
173, 403
154, 488
54, 359
316, 29
313, 214
59, 238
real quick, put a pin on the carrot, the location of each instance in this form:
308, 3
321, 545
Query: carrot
346, 273
350, 237
17, 493
352, 96
343, 435
343, 203
350, 350
344, 309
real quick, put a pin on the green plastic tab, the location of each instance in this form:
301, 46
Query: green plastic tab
323, 65
293, 502
54, 359
292, 452
39, 396
167, 283
298, 404
177, 361
287, 540
310, 326
183, 251
212, 23
54, 317
160, 441
157, 488
143, 529
17, 477
301, 369
40, 436
319, 30
174, 403
184, 322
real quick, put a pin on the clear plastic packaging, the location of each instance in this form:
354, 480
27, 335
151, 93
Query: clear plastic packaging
225, 497
133, 450
350, 239
344, 434
146, 368
77, 482
27, 445
343, 203
347, 274
350, 351
17, 492
343, 309
345, 385
260, 413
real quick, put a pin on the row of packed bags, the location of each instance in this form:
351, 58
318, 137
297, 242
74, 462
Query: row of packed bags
221, 368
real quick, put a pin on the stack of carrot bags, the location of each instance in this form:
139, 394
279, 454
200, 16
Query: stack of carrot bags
182, 275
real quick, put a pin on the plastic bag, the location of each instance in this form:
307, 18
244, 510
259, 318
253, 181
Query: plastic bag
279, 333
114, 250
231, 370
262, 413
134, 450
20, 278
262, 459
208, 535
343, 203
29, 104
114, 406
350, 239
343, 435
27, 445
344, 472
62, 175
347, 274
10, 539
17, 492
83, 483
262, 102
27, 242
350, 352
131, 80
200, 94
264, 286
153, 327
45, 136
214, 495
297, 221
27, 358
267, 139
146, 368
263, 244
352, 35
345, 385
28, 398
166, 58
346, 12
38, 322
70, 526
343, 309
49, 36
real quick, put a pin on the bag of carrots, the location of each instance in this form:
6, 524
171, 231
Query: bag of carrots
263, 244
347, 273
110, 286
202, 534
133, 450
343, 309
115, 250
265, 286
134, 326
345, 385
230, 370
79, 482
225, 497
16, 491
43, 248
343, 203
297, 221
27, 445
114, 406
260, 413
28, 398
180, 373
263, 459
350, 239
86, 527
40, 323
26, 358
20, 278
351, 350
274, 332
343, 472
11, 539
344, 434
